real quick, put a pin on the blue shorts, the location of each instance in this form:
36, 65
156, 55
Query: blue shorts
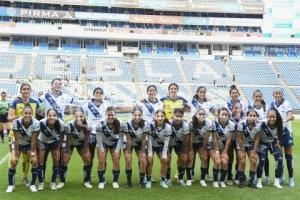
158, 150
287, 138
197, 146
25, 148
137, 148
92, 138
111, 147
249, 148
49, 146
178, 147
78, 147
265, 147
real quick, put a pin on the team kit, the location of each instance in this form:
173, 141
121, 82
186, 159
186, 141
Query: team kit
224, 138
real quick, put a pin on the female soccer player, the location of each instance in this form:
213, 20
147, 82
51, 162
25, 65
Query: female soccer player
14, 112
136, 131
77, 132
201, 129
219, 145
158, 142
261, 107
285, 110
179, 142
271, 134
50, 138
26, 130
248, 140
200, 100
109, 138
173, 101
95, 112
4, 105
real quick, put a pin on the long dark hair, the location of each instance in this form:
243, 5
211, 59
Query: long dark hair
278, 124
25, 84
262, 101
142, 122
195, 121
164, 113
116, 124
198, 89
57, 123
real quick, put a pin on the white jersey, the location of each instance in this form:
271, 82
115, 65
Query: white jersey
268, 135
136, 134
58, 103
195, 104
159, 137
262, 112
48, 135
223, 133
25, 134
106, 136
94, 114
77, 135
201, 131
149, 108
249, 134
284, 108
178, 134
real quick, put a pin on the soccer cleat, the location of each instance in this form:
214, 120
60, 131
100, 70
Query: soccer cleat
291, 182
222, 184
181, 183
229, 182
60, 185
148, 184
41, 186
203, 183
189, 183
236, 181
277, 183
101, 185
115, 185
32, 188
215, 184
10, 189
163, 184
258, 184
25, 181
88, 185
53, 186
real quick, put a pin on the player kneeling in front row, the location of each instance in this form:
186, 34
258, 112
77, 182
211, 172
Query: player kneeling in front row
109, 138
77, 133
26, 130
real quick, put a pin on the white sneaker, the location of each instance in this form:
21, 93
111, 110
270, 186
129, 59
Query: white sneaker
53, 186
258, 184
115, 185
203, 183
189, 183
277, 183
60, 185
88, 185
215, 184
148, 184
222, 184
181, 183
163, 184
10, 189
32, 188
236, 182
101, 185
291, 182
41, 186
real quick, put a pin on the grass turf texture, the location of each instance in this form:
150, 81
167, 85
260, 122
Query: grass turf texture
75, 190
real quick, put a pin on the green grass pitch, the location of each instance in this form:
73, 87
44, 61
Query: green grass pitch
74, 189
